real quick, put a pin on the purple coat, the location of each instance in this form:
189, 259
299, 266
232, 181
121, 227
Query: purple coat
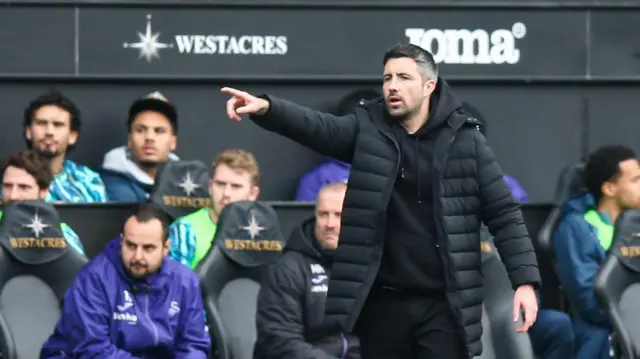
108, 314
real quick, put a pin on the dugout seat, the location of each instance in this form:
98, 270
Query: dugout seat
498, 301
248, 239
618, 284
36, 268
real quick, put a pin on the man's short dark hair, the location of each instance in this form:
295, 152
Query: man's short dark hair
603, 165
422, 57
147, 212
33, 163
53, 98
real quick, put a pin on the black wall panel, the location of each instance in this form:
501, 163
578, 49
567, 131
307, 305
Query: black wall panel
554, 79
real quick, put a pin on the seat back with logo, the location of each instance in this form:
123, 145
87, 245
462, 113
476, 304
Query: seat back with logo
181, 187
618, 283
248, 239
36, 268
498, 300
488, 351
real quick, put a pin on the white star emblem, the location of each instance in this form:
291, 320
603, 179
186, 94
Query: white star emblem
253, 228
36, 225
148, 44
188, 185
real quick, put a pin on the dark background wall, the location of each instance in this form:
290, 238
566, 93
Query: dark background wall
573, 87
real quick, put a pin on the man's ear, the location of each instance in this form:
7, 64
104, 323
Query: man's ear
254, 193
608, 189
73, 137
167, 246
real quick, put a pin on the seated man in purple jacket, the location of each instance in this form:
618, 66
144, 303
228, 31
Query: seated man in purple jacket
132, 301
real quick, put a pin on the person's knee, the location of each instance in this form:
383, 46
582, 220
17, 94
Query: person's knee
552, 335
592, 340
553, 326
559, 326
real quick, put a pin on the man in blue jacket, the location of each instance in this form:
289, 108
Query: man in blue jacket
132, 301
129, 172
584, 235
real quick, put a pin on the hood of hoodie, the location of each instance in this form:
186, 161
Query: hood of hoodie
579, 204
155, 281
303, 240
120, 160
441, 105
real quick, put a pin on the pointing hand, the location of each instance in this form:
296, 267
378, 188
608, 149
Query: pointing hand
244, 103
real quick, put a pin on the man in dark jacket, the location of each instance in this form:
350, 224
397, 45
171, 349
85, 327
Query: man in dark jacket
422, 180
292, 296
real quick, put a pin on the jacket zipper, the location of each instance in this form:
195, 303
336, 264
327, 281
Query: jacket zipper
146, 313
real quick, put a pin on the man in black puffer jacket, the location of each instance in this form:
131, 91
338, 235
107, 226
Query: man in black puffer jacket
407, 274
292, 297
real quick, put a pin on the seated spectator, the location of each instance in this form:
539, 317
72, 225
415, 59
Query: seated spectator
332, 170
26, 176
584, 235
131, 301
129, 171
517, 190
52, 128
235, 178
291, 301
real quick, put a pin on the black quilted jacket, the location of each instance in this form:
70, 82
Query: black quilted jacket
468, 183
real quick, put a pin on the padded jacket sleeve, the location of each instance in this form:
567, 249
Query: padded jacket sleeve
84, 324
501, 213
578, 265
279, 317
192, 340
322, 132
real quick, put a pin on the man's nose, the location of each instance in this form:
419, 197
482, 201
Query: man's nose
48, 129
392, 85
137, 254
12, 195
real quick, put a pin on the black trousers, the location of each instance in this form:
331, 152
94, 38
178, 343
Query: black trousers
401, 325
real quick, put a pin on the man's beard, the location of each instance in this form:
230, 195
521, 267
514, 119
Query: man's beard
148, 164
48, 154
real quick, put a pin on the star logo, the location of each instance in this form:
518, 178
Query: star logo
36, 225
187, 184
253, 228
148, 43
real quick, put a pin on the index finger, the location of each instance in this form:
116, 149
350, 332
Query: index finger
234, 92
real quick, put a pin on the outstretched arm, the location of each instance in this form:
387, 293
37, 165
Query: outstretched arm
327, 134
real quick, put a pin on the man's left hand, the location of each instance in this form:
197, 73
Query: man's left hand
525, 298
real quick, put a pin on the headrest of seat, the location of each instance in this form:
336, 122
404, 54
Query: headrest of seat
570, 182
626, 240
249, 233
181, 187
30, 232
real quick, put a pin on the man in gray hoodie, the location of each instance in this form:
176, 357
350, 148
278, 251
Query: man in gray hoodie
129, 172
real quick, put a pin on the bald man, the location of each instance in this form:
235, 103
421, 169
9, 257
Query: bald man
292, 296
